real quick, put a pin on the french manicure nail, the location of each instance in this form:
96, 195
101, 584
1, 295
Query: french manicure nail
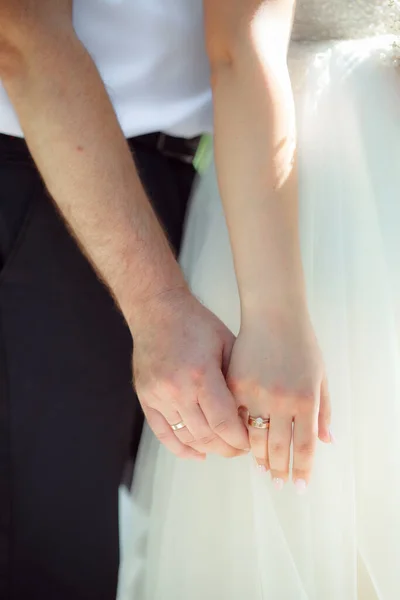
278, 483
262, 468
301, 486
332, 436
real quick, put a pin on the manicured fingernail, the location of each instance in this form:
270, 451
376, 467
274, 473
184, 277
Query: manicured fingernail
278, 483
301, 486
262, 468
332, 436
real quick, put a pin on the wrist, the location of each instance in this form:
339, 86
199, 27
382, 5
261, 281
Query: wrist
274, 306
159, 302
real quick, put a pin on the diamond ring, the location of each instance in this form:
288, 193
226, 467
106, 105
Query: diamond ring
258, 422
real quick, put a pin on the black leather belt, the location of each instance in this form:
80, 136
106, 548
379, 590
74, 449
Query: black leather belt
179, 148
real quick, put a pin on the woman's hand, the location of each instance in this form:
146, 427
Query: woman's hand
277, 372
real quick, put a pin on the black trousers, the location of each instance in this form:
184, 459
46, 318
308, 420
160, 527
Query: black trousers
67, 408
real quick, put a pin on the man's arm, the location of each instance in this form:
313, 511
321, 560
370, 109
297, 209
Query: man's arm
77, 144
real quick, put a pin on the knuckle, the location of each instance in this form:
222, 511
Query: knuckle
305, 449
300, 474
197, 373
306, 395
170, 386
277, 448
281, 396
259, 447
185, 437
281, 400
178, 402
278, 391
206, 440
197, 448
166, 386
242, 385
280, 406
305, 403
221, 426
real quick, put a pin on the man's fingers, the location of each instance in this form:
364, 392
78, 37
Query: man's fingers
200, 435
221, 411
163, 432
197, 432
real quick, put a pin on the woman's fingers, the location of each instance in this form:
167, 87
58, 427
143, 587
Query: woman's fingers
297, 415
259, 447
279, 443
297, 421
305, 435
257, 436
324, 420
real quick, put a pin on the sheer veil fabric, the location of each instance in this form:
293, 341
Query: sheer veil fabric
219, 530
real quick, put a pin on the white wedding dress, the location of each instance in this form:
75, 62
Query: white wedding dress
219, 530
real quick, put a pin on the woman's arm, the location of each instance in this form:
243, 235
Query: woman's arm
276, 370
255, 145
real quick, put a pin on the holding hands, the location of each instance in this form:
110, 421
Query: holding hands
275, 373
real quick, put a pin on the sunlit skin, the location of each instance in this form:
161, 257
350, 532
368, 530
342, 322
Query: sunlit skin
182, 351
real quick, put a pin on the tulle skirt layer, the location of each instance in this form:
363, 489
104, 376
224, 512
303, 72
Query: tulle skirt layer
219, 530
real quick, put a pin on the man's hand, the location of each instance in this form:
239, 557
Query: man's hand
181, 353
80, 150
